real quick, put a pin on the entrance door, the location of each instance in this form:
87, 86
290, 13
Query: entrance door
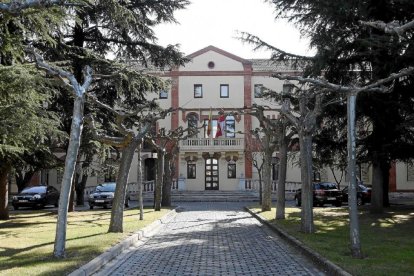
212, 174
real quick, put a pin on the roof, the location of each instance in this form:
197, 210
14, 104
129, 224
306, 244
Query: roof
219, 51
258, 65
266, 65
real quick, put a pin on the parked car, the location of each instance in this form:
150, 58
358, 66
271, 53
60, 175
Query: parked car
104, 195
36, 197
323, 193
363, 194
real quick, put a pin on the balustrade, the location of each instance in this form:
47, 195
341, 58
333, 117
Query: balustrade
225, 143
254, 185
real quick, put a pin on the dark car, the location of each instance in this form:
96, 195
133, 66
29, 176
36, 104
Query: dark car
323, 193
36, 197
363, 194
104, 195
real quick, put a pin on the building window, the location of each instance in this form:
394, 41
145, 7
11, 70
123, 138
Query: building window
211, 64
224, 90
191, 170
230, 127
198, 90
258, 88
231, 170
163, 95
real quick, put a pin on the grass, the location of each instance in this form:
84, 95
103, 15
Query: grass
387, 240
27, 240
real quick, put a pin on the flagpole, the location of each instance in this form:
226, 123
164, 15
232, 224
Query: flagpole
210, 127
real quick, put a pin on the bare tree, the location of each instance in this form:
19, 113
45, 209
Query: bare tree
266, 135
305, 123
128, 141
166, 144
79, 91
393, 27
352, 92
285, 134
254, 152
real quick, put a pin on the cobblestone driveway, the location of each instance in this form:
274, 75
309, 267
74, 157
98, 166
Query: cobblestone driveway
211, 239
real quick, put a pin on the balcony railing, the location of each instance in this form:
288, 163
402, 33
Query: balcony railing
210, 143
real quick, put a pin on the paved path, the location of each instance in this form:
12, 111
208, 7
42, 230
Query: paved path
211, 239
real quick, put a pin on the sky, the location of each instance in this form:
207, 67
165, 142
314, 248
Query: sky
216, 22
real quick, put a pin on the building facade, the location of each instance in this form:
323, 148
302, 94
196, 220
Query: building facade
214, 86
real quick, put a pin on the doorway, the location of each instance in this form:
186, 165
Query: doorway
212, 174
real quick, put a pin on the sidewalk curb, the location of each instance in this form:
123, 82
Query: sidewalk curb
99, 261
329, 267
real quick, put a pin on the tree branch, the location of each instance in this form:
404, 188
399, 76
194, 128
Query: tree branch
373, 87
110, 140
76, 88
389, 28
15, 7
260, 44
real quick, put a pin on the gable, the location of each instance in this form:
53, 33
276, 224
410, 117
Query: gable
214, 59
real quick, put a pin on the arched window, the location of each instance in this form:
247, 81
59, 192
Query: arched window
192, 121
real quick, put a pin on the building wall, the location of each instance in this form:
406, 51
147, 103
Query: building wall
405, 177
221, 63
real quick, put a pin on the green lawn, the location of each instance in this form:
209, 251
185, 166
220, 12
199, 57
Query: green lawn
26, 241
387, 240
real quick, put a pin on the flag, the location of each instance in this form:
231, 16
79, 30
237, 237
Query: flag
220, 125
209, 123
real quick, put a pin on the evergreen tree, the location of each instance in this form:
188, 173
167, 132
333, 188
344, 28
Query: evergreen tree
347, 51
26, 127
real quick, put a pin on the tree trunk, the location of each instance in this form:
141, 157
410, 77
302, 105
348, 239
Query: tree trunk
385, 167
70, 161
267, 176
5, 170
72, 199
260, 186
140, 185
159, 181
23, 181
117, 213
80, 190
377, 197
166, 188
354, 232
305, 140
280, 203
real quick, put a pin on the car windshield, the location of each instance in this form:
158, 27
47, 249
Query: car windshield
35, 190
327, 186
106, 188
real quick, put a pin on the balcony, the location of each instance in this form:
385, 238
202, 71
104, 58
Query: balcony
216, 144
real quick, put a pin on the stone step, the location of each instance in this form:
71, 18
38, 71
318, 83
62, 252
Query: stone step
211, 196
